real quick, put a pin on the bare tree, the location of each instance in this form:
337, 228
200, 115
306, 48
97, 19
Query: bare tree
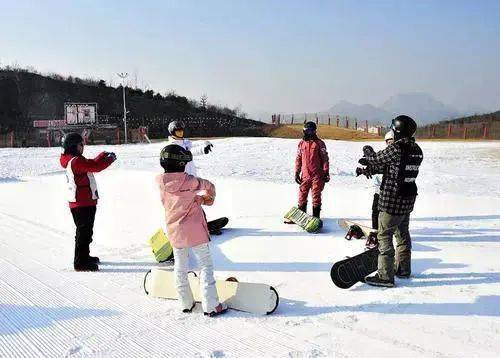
204, 101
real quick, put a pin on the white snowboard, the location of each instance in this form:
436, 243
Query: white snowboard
346, 224
256, 298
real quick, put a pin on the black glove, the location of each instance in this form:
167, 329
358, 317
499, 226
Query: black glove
326, 177
363, 161
365, 171
112, 156
208, 148
368, 151
298, 179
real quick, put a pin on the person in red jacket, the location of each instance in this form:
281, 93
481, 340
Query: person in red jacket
82, 195
312, 168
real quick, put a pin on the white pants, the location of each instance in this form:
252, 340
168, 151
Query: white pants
209, 297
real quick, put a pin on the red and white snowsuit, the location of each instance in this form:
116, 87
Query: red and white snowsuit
82, 188
82, 196
313, 165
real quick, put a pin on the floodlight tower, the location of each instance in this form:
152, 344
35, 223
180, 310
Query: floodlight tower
123, 76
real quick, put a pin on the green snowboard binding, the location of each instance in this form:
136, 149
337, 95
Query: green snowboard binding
309, 223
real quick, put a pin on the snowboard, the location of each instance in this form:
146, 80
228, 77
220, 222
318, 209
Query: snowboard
162, 249
255, 298
346, 224
347, 272
215, 226
309, 223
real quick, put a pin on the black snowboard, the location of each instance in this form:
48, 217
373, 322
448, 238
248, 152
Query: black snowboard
347, 272
215, 226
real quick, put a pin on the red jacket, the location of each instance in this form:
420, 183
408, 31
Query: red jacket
81, 167
312, 159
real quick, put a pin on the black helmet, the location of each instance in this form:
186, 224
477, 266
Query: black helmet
368, 151
174, 126
70, 141
173, 158
309, 129
403, 127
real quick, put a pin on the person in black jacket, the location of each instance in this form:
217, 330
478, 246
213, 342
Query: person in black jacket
400, 162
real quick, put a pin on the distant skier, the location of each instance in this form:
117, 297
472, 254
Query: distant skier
400, 162
182, 196
82, 195
371, 240
176, 131
312, 169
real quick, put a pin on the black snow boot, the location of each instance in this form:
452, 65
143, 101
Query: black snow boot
402, 273
93, 259
85, 266
375, 280
316, 211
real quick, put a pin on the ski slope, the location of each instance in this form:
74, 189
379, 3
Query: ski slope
450, 307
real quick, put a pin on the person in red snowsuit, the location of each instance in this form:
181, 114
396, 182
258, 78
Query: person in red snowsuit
312, 168
82, 196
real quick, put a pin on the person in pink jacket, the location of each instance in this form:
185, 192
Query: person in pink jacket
311, 168
182, 196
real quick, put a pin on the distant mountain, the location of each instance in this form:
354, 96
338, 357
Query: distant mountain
362, 112
421, 106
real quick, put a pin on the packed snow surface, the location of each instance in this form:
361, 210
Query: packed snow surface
449, 308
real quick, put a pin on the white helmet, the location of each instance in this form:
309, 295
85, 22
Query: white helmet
175, 125
389, 135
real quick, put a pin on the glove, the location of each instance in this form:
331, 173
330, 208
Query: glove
298, 179
208, 148
326, 177
365, 171
363, 161
112, 156
368, 151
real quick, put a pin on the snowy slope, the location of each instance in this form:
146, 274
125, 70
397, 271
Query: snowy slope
450, 308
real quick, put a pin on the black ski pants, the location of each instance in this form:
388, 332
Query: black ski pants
375, 211
84, 222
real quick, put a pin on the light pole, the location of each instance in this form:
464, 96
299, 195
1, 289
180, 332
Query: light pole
123, 76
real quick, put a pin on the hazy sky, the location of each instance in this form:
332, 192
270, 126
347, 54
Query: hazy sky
291, 56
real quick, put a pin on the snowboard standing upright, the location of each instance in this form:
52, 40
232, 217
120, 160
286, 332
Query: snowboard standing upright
345, 273
161, 247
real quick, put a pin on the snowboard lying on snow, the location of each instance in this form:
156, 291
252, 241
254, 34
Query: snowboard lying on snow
349, 225
309, 223
345, 273
256, 298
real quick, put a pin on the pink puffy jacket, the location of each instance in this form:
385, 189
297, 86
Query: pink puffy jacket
181, 195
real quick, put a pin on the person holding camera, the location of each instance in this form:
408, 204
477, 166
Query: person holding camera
82, 195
